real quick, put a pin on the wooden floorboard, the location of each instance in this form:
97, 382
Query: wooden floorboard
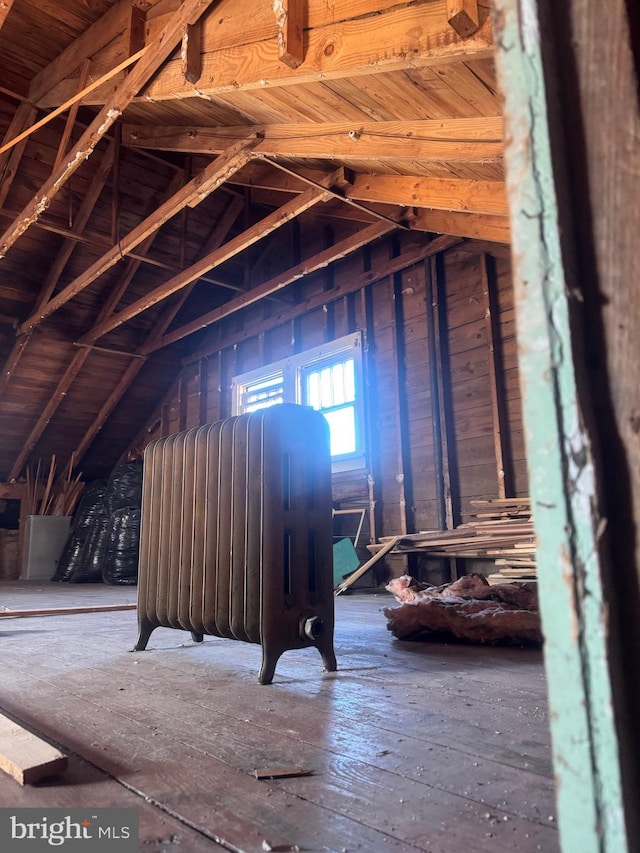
411, 747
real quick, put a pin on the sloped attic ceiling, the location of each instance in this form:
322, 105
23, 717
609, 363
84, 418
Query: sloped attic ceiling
157, 157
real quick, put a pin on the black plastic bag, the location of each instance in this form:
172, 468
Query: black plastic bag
69, 561
124, 488
93, 552
121, 561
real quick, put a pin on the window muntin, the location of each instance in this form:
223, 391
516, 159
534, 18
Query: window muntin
331, 389
264, 392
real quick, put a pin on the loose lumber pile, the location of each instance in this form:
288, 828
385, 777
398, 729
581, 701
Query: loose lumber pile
515, 560
467, 609
52, 495
501, 531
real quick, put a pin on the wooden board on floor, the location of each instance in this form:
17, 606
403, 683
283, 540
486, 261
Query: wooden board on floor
25, 756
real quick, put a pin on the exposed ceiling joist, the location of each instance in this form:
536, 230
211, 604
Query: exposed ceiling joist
454, 139
147, 65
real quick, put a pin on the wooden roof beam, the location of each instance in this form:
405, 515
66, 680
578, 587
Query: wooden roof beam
147, 65
337, 45
452, 139
273, 285
477, 226
233, 247
455, 194
342, 39
191, 194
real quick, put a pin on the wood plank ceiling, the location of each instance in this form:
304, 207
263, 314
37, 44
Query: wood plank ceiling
148, 147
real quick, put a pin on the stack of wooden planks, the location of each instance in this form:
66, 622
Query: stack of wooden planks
501, 530
517, 560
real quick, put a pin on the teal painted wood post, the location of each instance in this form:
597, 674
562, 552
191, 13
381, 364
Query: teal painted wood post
562, 486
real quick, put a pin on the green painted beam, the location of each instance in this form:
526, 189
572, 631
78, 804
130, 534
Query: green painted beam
562, 477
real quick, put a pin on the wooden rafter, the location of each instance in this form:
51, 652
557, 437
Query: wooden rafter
214, 240
109, 405
233, 247
342, 288
322, 259
5, 8
111, 25
147, 65
57, 267
10, 160
79, 358
453, 139
191, 194
73, 102
71, 118
12, 362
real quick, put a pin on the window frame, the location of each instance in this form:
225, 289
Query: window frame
294, 370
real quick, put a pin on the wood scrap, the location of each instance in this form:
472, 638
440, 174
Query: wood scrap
280, 772
25, 756
64, 611
366, 566
501, 530
467, 609
55, 496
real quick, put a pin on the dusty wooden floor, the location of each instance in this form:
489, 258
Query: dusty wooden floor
413, 747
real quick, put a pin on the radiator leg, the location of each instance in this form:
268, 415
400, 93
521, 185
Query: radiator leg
270, 658
325, 647
197, 637
143, 636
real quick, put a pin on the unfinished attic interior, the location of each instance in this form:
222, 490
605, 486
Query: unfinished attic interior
215, 218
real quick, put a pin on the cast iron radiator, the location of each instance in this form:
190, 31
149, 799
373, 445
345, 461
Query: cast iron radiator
236, 535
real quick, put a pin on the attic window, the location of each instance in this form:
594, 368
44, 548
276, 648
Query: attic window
327, 378
264, 392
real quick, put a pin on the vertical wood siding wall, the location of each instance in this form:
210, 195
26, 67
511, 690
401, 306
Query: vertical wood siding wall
392, 315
